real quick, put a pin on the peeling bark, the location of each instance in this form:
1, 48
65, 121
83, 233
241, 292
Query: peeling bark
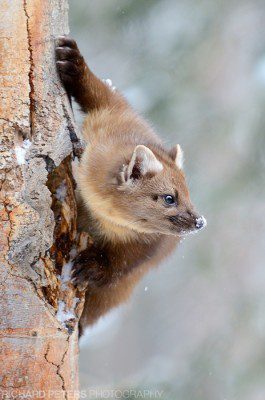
38, 236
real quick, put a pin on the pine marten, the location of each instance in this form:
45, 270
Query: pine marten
134, 198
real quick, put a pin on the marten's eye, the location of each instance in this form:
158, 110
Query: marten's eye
169, 200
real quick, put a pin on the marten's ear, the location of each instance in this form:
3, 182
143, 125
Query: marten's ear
176, 153
143, 162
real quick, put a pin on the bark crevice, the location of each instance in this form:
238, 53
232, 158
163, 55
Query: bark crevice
31, 70
74, 135
58, 366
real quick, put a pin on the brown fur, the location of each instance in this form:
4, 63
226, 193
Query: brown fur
123, 177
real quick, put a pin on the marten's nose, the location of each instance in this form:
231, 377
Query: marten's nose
200, 222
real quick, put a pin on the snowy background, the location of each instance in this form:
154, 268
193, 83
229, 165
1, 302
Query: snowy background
194, 328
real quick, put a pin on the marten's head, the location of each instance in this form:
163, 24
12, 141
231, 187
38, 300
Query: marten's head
147, 193
152, 194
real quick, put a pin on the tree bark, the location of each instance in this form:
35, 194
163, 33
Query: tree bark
39, 308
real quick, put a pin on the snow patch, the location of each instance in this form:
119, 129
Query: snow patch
64, 315
73, 253
21, 151
61, 191
201, 222
108, 82
75, 165
66, 273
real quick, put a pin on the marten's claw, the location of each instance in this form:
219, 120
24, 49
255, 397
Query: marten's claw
66, 41
67, 69
86, 274
69, 62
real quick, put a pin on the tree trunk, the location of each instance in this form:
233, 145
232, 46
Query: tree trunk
39, 308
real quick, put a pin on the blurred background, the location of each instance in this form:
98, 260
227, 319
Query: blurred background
195, 327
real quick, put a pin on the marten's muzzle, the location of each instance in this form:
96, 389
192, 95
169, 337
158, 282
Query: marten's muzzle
188, 222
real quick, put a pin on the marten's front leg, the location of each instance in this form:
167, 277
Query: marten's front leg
91, 268
79, 81
96, 267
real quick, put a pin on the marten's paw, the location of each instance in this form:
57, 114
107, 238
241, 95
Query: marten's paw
88, 272
70, 63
